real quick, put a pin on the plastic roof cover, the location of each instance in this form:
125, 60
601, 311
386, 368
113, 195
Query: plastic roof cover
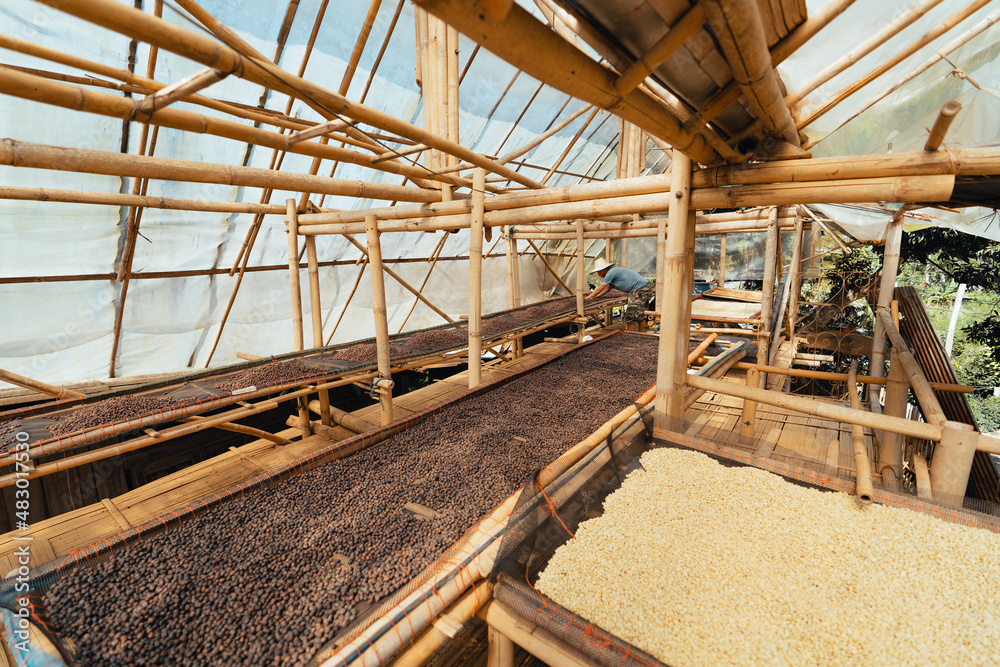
62, 331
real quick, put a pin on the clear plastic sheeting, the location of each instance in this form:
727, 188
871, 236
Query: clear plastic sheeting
58, 261
868, 223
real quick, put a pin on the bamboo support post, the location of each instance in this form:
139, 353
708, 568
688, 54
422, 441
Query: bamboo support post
316, 310
795, 280
581, 281
381, 323
476, 279
298, 335
722, 260
886, 290
672, 348
941, 125
952, 463
36, 385
748, 418
862, 463
890, 452
771, 259
921, 388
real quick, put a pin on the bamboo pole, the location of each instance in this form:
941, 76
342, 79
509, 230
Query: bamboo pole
114, 16
572, 142
239, 428
941, 125
822, 225
836, 377
672, 349
740, 33
476, 279
24, 154
921, 388
862, 464
531, 46
298, 335
722, 260
923, 476
37, 385
896, 59
381, 323
886, 290
581, 282
888, 31
767, 296
316, 308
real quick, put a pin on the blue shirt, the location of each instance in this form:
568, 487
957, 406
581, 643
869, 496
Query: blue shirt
625, 280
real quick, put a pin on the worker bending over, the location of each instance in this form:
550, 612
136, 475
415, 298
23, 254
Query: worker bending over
640, 292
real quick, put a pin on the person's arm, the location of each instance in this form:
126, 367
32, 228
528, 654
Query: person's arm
599, 291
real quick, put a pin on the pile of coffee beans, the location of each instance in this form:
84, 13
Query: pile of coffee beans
269, 579
115, 409
266, 375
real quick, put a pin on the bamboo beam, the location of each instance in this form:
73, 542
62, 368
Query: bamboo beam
239, 428
531, 46
316, 311
952, 463
888, 31
829, 232
220, 30
134, 23
40, 156
298, 336
679, 33
672, 349
476, 279
381, 323
740, 32
316, 131
890, 451
884, 67
914, 189
37, 385
786, 47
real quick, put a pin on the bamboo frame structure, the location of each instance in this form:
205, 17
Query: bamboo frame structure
476, 279
381, 324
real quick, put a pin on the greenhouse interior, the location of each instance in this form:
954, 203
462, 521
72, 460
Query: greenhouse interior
483, 332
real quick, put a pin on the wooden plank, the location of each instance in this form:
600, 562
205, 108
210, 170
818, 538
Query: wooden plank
116, 513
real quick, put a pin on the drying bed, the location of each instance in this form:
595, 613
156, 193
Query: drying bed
271, 578
62, 425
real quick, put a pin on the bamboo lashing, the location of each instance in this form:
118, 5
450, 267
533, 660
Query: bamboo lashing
941, 125
862, 465
381, 323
